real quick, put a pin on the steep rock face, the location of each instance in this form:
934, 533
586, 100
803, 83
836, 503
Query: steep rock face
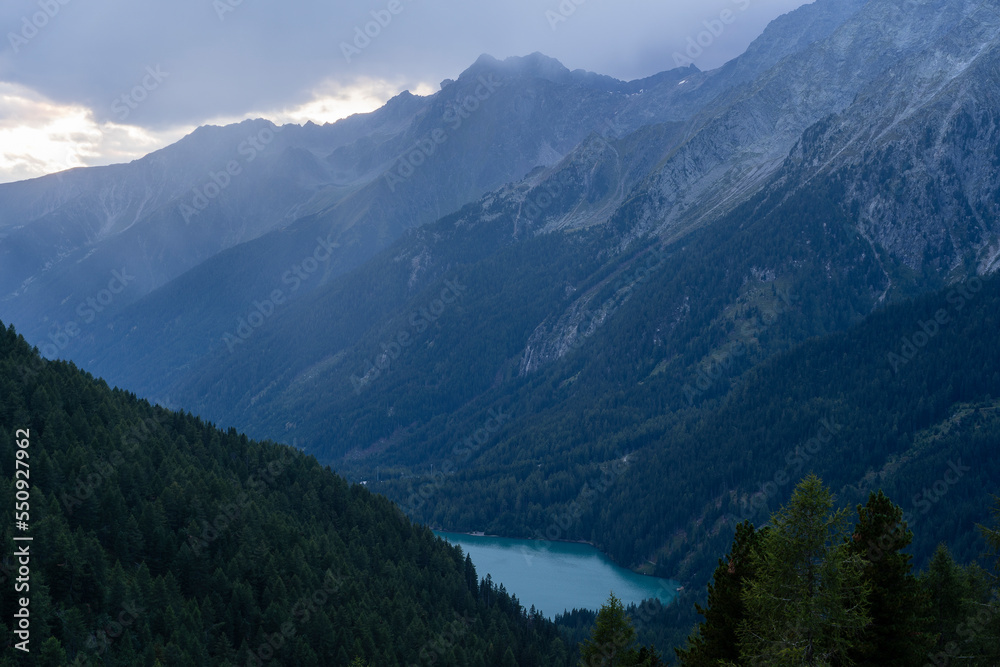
919, 152
787, 35
732, 152
916, 145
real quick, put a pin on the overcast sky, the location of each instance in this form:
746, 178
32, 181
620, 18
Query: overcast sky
89, 82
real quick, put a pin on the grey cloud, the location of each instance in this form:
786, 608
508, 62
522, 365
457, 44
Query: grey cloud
230, 57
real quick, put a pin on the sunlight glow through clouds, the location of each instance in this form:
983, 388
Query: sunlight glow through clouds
39, 137
331, 103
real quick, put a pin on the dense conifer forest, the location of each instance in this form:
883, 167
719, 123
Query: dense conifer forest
161, 540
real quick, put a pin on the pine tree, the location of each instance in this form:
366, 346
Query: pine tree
716, 638
612, 640
992, 626
648, 657
949, 591
899, 632
992, 536
52, 654
964, 615
806, 602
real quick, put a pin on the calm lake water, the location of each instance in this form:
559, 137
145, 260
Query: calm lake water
558, 576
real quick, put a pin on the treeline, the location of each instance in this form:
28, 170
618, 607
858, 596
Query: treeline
161, 540
814, 587
810, 588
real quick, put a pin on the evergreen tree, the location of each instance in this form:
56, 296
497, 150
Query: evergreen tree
964, 617
992, 626
806, 602
52, 654
715, 639
612, 641
992, 536
612, 638
899, 632
648, 657
949, 591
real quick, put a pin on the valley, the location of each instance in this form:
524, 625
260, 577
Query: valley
629, 333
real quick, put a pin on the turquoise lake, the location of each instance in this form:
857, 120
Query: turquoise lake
558, 576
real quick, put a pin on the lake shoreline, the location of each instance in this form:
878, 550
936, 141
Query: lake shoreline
556, 576
532, 539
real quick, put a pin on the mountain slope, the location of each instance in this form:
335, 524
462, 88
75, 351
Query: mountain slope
460, 153
360, 182
161, 540
663, 179
305, 357
598, 317
357, 185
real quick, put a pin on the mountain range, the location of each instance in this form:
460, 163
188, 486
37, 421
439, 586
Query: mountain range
482, 301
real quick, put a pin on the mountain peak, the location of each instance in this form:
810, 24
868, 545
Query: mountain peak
535, 65
538, 66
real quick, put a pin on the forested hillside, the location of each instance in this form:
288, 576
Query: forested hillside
659, 383
665, 391
585, 340
160, 540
